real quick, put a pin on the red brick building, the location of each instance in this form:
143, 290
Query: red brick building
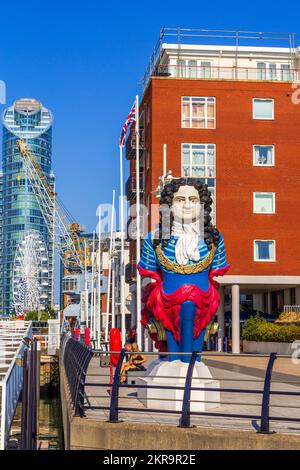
229, 115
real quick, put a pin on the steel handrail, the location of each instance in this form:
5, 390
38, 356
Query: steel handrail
6, 416
188, 387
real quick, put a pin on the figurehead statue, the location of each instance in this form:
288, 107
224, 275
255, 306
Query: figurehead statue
182, 258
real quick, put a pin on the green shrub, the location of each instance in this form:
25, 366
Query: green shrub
258, 329
40, 315
289, 317
33, 315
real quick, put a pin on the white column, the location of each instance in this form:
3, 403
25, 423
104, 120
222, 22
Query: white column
221, 318
235, 319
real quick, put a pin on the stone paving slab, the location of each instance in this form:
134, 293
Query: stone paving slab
232, 372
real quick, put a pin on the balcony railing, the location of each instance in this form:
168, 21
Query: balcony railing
291, 308
226, 73
131, 187
131, 145
179, 37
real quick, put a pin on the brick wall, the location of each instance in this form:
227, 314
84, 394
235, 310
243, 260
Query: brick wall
235, 134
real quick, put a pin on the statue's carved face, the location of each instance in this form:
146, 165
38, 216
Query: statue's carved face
186, 205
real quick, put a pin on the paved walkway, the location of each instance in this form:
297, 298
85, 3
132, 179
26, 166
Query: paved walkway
233, 372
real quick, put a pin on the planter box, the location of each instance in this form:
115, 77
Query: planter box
266, 347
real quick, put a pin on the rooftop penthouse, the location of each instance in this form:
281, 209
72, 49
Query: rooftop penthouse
224, 55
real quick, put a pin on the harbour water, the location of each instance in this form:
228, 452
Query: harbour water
50, 428
50, 422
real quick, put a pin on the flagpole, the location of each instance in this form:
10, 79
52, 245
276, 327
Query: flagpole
86, 287
92, 287
113, 285
109, 268
122, 262
165, 161
138, 239
99, 280
95, 290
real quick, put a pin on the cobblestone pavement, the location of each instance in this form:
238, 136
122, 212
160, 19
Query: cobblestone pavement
237, 372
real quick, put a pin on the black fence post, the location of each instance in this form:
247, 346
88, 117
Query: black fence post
114, 401
24, 417
32, 402
184, 421
35, 402
265, 408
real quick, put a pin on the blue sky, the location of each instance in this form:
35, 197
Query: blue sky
84, 61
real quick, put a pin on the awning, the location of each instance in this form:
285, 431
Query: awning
72, 310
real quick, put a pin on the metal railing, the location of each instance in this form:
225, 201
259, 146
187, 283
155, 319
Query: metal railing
291, 308
187, 388
188, 36
11, 337
130, 186
225, 73
30, 398
76, 358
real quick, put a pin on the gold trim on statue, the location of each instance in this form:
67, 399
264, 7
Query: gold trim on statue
184, 268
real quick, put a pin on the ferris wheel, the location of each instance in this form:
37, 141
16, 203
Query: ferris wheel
30, 273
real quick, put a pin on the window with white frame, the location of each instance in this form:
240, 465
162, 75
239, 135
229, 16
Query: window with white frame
191, 68
205, 69
198, 112
181, 68
266, 71
261, 71
263, 155
264, 250
264, 203
263, 108
285, 72
199, 161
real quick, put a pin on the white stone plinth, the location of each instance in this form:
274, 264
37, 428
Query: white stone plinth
164, 373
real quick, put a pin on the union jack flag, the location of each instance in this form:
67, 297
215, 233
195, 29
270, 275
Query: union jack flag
130, 118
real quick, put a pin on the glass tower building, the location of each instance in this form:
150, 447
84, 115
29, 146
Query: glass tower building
20, 213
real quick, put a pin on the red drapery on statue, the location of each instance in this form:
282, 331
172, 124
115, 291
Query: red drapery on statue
166, 307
